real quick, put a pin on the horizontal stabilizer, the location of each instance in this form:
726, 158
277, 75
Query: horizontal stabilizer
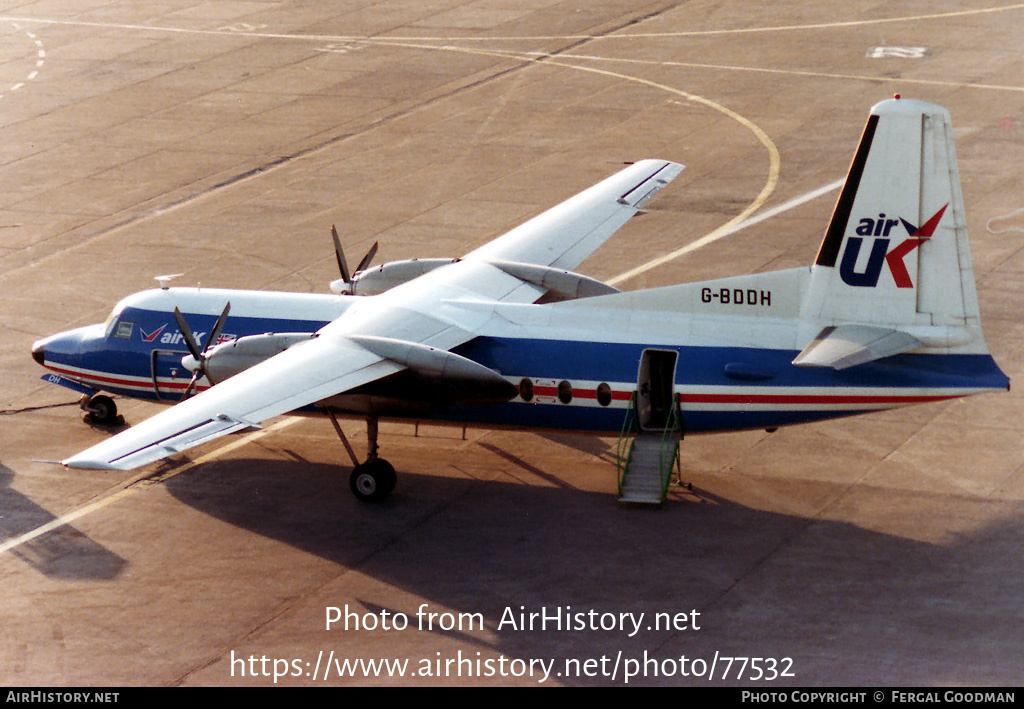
849, 345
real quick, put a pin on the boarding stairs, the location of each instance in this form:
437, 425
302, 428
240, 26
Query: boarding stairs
646, 457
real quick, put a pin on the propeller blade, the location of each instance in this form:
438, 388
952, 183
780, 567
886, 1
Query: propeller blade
211, 341
193, 347
191, 388
366, 259
186, 331
342, 263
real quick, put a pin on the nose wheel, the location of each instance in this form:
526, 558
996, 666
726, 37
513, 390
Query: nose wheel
100, 408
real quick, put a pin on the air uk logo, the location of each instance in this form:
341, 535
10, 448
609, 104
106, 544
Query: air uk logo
150, 336
176, 338
879, 229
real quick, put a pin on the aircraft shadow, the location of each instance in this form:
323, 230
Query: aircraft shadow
851, 604
64, 553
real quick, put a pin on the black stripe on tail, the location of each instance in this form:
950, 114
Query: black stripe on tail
829, 251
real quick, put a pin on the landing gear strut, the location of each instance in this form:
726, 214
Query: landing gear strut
100, 408
373, 480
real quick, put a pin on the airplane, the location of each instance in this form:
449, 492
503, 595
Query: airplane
509, 335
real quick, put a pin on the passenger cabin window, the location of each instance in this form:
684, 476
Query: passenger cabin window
526, 389
604, 394
564, 392
124, 330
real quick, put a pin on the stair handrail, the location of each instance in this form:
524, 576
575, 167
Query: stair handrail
673, 426
622, 455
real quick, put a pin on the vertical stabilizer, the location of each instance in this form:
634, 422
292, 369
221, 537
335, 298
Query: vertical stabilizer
895, 253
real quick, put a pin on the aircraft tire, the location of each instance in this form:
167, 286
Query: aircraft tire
102, 409
373, 480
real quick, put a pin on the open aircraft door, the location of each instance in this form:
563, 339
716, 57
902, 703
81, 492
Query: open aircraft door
166, 365
655, 388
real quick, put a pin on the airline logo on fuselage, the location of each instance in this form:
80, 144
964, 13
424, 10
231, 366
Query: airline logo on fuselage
151, 336
880, 229
176, 338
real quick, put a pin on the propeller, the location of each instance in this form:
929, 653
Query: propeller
197, 362
346, 276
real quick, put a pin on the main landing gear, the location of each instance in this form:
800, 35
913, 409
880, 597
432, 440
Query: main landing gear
374, 479
101, 409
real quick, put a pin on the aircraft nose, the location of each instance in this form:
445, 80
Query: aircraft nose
39, 351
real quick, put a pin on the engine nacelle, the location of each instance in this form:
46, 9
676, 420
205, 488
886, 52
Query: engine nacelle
229, 358
374, 281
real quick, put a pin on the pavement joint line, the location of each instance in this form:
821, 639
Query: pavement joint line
141, 483
135, 219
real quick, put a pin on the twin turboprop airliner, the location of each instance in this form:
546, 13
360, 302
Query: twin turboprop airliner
508, 335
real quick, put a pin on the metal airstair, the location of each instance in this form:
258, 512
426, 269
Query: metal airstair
646, 457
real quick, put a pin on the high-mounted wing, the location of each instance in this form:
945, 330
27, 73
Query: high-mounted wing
410, 326
563, 236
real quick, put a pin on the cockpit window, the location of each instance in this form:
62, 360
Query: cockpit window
108, 326
124, 330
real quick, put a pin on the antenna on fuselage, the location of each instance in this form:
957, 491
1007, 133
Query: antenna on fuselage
164, 280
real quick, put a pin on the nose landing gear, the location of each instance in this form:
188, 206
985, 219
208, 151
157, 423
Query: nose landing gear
101, 409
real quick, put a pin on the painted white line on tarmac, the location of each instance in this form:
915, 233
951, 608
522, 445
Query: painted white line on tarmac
727, 230
142, 484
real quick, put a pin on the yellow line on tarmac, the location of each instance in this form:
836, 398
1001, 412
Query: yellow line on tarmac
774, 161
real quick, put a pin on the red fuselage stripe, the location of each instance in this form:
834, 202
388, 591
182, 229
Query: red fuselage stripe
616, 395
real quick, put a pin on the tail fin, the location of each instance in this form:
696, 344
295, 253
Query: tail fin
896, 251
894, 270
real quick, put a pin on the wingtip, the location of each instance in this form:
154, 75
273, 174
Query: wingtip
79, 463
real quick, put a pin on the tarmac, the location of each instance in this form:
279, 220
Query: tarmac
222, 140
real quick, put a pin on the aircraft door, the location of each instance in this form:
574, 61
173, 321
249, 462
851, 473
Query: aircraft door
165, 365
655, 388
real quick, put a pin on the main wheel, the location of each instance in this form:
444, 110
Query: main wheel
373, 480
102, 409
